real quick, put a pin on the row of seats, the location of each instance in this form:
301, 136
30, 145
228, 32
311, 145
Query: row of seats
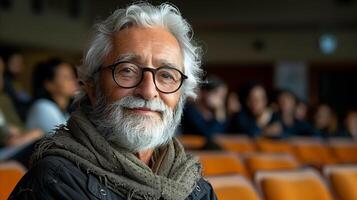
298, 168
308, 151
306, 184
296, 184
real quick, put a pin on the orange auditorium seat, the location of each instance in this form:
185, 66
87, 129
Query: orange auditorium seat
10, 173
233, 187
236, 143
345, 150
274, 146
343, 179
313, 151
303, 184
192, 142
270, 161
220, 163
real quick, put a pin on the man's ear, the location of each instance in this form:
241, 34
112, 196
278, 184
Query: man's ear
89, 88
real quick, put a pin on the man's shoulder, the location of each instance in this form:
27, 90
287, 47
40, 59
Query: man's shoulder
202, 191
49, 174
51, 165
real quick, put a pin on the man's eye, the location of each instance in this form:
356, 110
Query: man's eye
126, 71
167, 76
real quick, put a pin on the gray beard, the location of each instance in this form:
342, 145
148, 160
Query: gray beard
135, 132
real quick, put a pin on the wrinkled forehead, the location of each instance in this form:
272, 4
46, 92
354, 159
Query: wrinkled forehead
155, 46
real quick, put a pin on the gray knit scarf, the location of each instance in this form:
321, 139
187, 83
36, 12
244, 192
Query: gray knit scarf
173, 174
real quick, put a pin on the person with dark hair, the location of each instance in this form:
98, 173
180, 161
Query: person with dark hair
14, 139
286, 116
54, 85
255, 115
207, 115
302, 111
350, 124
325, 121
14, 64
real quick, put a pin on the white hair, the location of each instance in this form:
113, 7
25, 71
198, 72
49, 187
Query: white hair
144, 15
131, 131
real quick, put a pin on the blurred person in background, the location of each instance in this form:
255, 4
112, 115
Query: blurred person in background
286, 116
14, 65
325, 121
302, 111
233, 104
207, 115
54, 86
13, 138
350, 124
255, 115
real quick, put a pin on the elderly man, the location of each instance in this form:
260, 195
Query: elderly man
138, 70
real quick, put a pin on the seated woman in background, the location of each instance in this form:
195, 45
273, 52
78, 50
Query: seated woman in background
207, 115
13, 87
54, 85
350, 124
13, 138
325, 121
255, 115
286, 116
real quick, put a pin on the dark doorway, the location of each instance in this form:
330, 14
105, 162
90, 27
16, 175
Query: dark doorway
335, 84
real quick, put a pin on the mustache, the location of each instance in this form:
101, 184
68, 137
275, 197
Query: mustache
132, 102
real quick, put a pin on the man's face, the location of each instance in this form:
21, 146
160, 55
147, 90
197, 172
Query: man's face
151, 47
133, 117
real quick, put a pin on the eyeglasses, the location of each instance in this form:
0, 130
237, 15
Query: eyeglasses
128, 75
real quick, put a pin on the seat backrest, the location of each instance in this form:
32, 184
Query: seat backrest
234, 143
10, 173
274, 146
233, 187
270, 161
220, 163
343, 179
192, 142
300, 184
313, 152
345, 150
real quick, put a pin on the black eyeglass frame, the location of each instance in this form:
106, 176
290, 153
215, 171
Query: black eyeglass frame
143, 70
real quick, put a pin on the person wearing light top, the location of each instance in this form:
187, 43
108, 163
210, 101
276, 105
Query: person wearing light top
54, 85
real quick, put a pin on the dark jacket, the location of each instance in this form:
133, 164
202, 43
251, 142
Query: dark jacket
58, 178
244, 123
193, 122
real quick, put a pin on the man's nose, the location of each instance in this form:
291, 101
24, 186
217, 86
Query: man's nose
147, 89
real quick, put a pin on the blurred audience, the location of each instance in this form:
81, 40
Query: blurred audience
351, 124
54, 85
233, 104
13, 138
302, 111
14, 65
286, 116
207, 115
255, 114
325, 121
